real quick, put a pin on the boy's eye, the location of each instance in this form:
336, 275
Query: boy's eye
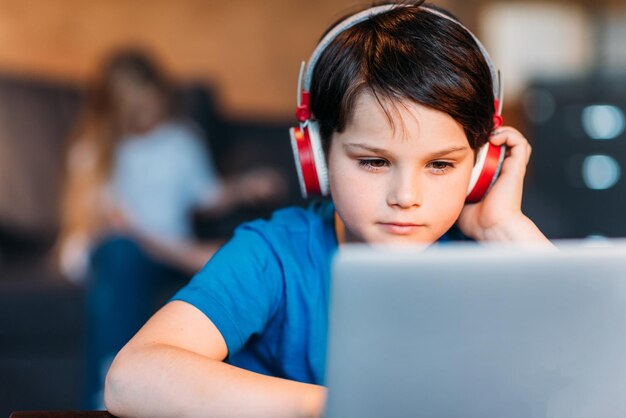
373, 164
440, 167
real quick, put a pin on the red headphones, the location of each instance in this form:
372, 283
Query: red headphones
306, 141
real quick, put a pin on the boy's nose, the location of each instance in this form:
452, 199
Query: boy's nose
404, 190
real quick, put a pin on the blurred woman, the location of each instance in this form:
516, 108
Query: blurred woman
134, 173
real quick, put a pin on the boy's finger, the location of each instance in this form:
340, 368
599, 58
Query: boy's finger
511, 138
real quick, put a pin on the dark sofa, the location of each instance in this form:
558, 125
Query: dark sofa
41, 315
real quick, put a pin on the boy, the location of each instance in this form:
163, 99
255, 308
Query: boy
403, 99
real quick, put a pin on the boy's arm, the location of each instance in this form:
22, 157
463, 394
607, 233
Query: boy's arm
174, 367
520, 229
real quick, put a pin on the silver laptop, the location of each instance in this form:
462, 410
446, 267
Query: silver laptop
475, 332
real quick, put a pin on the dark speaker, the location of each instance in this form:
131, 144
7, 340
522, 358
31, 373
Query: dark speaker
576, 186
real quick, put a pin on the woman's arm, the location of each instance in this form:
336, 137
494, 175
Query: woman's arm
255, 187
174, 367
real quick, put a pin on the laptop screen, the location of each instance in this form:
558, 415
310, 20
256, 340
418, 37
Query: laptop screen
474, 331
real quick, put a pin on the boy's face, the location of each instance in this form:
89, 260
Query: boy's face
402, 185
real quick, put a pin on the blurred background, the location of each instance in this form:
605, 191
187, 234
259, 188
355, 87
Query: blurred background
234, 66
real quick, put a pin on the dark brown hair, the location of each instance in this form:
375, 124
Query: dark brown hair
133, 63
99, 123
406, 53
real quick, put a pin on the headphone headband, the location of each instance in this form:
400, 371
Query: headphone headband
336, 31
304, 79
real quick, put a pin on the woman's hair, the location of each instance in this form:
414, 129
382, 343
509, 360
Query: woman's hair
405, 54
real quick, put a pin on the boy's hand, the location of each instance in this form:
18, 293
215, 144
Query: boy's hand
499, 215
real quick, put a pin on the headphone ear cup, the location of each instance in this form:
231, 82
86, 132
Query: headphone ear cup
485, 172
309, 159
297, 136
318, 155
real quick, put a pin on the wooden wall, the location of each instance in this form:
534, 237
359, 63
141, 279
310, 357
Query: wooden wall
250, 48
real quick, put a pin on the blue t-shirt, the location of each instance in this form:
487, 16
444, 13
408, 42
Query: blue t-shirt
267, 291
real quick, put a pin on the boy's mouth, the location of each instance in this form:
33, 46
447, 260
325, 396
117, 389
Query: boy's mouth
400, 228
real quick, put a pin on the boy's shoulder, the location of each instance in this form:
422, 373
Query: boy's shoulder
303, 217
296, 218
285, 237
295, 223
